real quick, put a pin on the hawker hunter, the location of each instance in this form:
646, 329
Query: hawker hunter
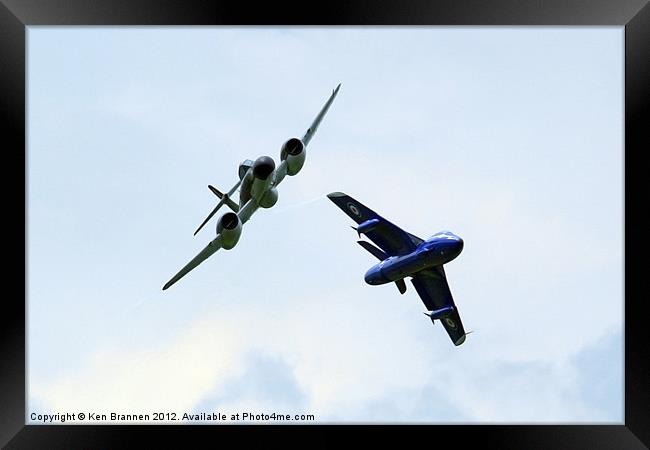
403, 255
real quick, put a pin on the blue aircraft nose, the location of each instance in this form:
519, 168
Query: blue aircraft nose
374, 276
451, 248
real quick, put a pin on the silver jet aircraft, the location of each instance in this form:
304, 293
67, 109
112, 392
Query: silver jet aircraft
258, 180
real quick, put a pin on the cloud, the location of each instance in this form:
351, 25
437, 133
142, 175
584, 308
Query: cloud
267, 385
173, 376
230, 363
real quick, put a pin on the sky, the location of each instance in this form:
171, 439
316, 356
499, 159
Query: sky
511, 137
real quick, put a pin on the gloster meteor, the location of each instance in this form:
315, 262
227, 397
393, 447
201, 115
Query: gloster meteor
259, 180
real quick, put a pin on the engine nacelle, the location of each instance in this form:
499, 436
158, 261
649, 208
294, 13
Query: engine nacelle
229, 226
270, 198
293, 151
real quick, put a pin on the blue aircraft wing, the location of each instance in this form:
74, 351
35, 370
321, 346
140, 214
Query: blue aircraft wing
433, 289
389, 237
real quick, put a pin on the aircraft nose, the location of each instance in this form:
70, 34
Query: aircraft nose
453, 247
263, 167
374, 276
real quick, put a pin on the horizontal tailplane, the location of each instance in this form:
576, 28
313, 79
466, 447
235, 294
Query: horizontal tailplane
228, 201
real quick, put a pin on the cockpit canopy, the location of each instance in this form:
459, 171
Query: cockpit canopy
444, 235
244, 166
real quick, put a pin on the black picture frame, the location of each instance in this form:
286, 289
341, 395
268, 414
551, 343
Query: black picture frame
634, 15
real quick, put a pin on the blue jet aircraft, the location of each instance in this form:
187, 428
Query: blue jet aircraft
405, 255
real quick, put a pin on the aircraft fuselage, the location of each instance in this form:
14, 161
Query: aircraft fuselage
436, 251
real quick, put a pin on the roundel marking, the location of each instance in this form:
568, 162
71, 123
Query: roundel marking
354, 209
450, 322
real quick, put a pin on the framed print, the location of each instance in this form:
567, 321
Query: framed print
483, 155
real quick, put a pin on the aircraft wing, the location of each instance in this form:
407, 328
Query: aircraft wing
314, 126
388, 236
433, 289
281, 170
210, 249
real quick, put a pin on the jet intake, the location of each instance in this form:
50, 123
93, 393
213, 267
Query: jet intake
229, 227
293, 147
293, 151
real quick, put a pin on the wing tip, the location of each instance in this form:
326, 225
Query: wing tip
170, 283
333, 195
